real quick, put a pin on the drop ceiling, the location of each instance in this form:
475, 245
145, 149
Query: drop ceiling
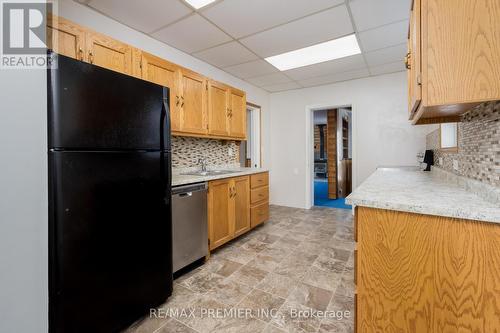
236, 35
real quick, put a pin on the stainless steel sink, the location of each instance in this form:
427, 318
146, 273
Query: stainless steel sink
209, 172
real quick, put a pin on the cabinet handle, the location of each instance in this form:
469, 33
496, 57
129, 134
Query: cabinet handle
176, 100
407, 60
91, 57
80, 51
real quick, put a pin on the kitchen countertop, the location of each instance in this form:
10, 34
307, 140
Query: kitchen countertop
415, 191
179, 179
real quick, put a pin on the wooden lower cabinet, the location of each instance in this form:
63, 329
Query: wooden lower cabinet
230, 212
422, 273
259, 212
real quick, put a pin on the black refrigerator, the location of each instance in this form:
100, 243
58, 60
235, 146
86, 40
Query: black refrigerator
110, 247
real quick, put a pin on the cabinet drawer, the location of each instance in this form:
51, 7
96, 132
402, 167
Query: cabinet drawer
259, 194
259, 214
260, 179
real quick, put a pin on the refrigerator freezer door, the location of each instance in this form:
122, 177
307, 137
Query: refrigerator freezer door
110, 246
94, 108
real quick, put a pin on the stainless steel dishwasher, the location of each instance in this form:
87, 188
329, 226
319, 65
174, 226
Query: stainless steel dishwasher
189, 224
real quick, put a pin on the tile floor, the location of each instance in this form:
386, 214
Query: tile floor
300, 260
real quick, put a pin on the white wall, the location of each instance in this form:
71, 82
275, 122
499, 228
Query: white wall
382, 134
23, 201
89, 18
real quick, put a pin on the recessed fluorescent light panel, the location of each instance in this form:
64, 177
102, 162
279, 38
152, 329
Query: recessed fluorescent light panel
334, 49
197, 4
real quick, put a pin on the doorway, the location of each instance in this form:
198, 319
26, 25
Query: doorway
250, 150
332, 164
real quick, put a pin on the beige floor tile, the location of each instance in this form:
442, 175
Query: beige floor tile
322, 279
310, 296
181, 298
294, 317
228, 292
248, 275
240, 255
202, 282
277, 284
222, 266
263, 305
174, 326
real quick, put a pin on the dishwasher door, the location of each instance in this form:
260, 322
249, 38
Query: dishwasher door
189, 224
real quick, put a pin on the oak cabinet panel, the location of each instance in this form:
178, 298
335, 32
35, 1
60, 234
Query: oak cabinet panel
193, 103
259, 214
241, 205
238, 114
220, 212
164, 73
66, 38
218, 123
454, 48
109, 53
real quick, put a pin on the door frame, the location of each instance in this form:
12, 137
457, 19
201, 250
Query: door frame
309, 121
256, 133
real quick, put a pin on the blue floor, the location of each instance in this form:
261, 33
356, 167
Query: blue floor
321, 197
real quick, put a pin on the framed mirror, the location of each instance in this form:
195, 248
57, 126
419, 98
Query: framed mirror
449, 137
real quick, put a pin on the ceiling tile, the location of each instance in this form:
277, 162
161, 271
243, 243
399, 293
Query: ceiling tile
387, 55
242, 17
270, 79
192, 34
327, 25
282, 87
226, 55
144, 16
369, 14
388, 68
388, 35
320, 80
251, 69
328, 67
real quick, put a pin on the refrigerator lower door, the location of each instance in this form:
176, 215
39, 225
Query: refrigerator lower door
110, 238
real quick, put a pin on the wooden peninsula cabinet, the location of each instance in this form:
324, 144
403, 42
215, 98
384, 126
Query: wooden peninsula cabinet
453, 58
235, 206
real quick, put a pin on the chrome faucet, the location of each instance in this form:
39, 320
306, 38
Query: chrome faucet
203, 163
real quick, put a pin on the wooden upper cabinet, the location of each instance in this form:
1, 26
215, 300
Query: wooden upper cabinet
193, 103
241, 205
413, 59
109, 53
460, 56
66, 38
237, 114
220, 212
164, 73
218, 109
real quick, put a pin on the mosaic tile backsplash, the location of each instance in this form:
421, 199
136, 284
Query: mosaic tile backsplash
478, 145
187, 151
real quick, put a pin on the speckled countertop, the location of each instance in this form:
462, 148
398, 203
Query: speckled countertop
180, 179
415, 191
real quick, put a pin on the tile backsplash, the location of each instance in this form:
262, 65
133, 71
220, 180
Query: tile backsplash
478, 154
187, 151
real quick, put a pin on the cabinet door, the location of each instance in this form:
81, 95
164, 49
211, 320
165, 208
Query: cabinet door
241, 190
238, 114
65, 37
413, 60
218, 122
164, 73
220, 212
193, 103
109, 53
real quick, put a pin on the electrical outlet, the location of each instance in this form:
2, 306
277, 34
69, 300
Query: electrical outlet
440, 161
455, 165
230, 151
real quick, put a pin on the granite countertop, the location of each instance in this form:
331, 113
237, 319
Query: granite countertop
415, 191
179, 179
